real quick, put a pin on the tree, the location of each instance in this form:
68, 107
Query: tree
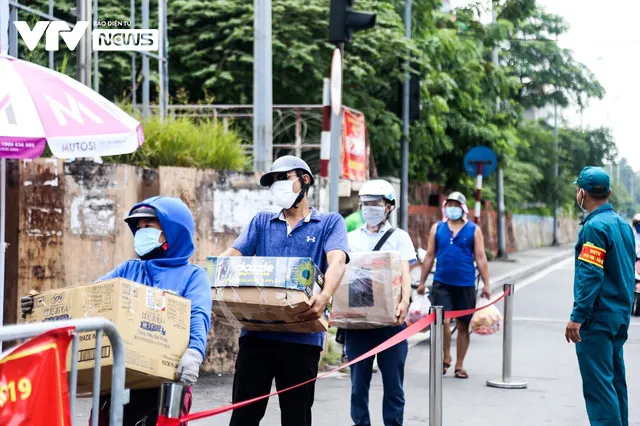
548, 74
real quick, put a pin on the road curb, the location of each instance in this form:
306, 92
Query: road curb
518, 275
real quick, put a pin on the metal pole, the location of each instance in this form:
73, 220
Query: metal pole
171, 397
336, 136
436, 348
3, 243
507, 341
13, 32
262, 87
478, 205
298, 133
555, 176
161, 22
404, 179
88, 47
51, 57
80, 66
502, 240
165, 62
132, 17
96, 76
145, 64
502, 243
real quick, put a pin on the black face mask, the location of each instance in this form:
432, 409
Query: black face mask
156, 253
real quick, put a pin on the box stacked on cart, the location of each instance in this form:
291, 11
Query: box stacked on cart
154, 326
369, 292
265, 293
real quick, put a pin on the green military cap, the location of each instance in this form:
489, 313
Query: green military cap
594, 180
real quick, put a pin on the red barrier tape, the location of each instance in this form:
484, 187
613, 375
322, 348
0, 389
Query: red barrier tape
400, 337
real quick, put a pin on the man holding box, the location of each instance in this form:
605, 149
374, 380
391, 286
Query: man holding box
163, 238
377, 201
289, 358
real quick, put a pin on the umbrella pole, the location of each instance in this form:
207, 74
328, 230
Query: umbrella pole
3, 244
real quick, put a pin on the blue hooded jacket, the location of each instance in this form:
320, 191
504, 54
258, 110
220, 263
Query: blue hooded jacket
173, 272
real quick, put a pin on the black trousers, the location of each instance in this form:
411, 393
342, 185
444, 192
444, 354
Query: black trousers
259, 362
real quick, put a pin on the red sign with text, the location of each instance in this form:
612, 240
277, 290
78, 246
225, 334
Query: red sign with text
33, 382
354, 146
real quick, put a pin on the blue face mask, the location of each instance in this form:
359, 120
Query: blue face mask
146, 240
638, 229
454, 213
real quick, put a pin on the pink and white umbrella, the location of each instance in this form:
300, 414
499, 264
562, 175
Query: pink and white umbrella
40, 106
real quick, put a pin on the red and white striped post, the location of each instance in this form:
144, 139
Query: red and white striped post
325, 141
478, 192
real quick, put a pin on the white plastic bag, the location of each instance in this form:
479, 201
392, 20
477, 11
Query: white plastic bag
418, 309
486, 321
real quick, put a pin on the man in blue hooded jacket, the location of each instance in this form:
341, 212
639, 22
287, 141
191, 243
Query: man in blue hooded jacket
163, 239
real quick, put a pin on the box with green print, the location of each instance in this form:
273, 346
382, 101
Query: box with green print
265, 293
292, 273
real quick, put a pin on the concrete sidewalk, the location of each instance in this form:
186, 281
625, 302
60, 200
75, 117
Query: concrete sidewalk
523, 264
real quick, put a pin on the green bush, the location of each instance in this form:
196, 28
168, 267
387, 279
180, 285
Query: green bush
182, 142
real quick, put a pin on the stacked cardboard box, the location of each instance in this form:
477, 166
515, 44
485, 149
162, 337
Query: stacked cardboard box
265, 293
369, 292
153, 324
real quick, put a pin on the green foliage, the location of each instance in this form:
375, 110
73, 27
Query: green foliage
211, 60
182, 142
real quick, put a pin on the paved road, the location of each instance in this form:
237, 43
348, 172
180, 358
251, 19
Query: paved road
541, 356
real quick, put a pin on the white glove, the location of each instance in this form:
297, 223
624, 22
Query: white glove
189, 367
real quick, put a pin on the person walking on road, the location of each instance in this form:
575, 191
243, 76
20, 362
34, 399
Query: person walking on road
636, 232
603, 295
456, 243
289, 358
377, 201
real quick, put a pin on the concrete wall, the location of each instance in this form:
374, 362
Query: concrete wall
66, 225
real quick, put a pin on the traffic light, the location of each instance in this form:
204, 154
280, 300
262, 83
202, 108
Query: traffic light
343, 21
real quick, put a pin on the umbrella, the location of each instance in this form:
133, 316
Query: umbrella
40, 107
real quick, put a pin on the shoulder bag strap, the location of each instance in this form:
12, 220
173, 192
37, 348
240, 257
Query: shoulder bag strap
384, 239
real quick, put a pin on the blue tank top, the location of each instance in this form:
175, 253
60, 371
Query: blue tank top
455, 255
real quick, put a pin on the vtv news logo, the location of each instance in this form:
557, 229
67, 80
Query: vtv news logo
102, 40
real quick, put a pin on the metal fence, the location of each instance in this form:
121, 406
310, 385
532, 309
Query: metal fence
297, 129
119, 395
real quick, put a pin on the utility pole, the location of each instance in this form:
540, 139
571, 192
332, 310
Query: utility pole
555, 241
145, 64
404, 143
84, 51
262, 87
555, 176
502, 240
335, 153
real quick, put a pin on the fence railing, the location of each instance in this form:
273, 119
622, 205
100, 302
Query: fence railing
119, 395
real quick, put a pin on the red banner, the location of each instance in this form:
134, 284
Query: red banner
33, 382
354, 147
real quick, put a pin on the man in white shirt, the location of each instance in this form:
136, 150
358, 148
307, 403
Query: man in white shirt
377, 201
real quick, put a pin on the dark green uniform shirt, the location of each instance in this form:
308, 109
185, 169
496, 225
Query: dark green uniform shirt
604, 271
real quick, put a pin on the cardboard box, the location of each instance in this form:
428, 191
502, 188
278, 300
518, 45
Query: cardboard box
265, 293
154, 326
369, 292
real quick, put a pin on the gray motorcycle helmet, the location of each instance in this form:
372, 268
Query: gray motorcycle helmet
285, 164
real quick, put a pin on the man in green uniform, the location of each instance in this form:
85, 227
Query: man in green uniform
603, 295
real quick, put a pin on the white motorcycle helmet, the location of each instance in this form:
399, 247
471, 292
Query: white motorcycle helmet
377, 189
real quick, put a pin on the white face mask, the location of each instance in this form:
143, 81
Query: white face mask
373, 215
579, 202
282, 193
